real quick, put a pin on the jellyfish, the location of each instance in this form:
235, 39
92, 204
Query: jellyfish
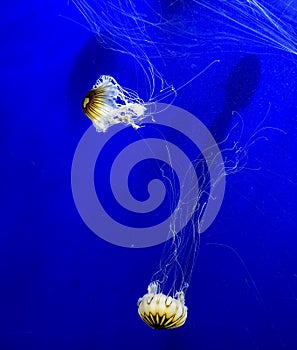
203, 183
107, 104
160, 311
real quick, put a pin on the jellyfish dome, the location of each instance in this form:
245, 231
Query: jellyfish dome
160, 311
107, 103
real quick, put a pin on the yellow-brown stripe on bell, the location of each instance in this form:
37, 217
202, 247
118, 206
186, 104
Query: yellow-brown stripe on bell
107, 104
98, 103
160, 311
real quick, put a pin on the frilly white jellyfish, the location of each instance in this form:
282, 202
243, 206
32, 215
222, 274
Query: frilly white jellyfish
107, 104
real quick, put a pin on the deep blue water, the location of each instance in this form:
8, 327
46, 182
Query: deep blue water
62, 287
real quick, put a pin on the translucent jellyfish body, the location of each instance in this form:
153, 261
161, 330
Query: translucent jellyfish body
160, 311
107, 104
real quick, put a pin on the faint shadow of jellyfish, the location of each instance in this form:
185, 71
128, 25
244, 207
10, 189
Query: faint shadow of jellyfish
91, 59
239, 89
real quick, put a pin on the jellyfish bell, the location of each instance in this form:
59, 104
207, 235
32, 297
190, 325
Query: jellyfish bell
160, 311
107, 104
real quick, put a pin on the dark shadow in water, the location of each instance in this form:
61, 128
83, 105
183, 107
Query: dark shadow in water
92, 61
239, 91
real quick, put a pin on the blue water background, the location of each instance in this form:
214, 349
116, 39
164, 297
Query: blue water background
61, 286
